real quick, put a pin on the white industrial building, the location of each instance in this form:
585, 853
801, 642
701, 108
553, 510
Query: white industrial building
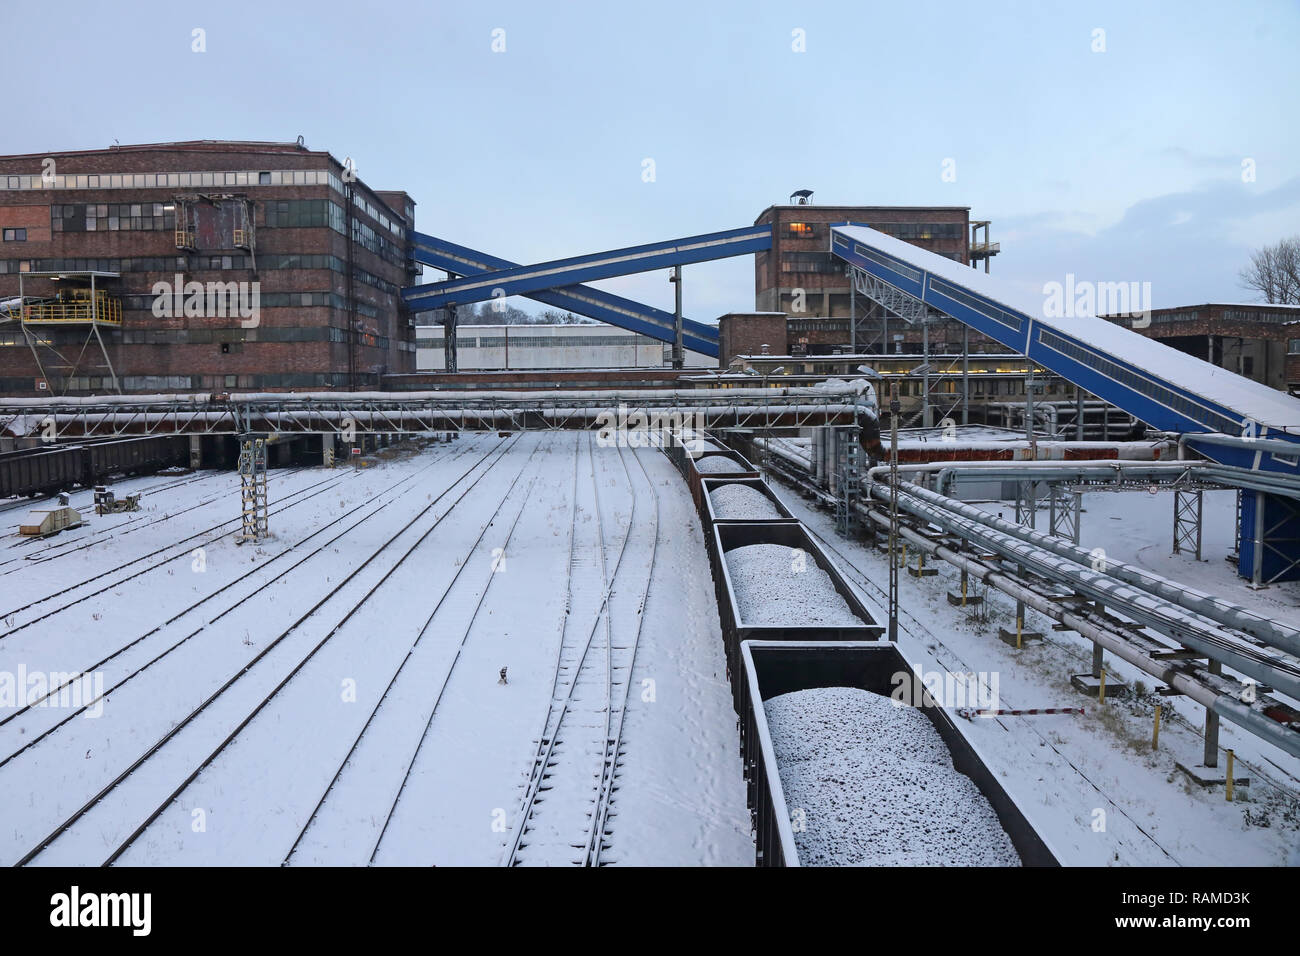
489, 347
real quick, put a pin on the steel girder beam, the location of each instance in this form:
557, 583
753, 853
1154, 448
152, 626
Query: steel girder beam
382, 414
560, 273
611, 309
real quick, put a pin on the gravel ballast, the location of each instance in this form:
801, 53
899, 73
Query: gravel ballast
742, 503
776, 585
873, 784
718, 465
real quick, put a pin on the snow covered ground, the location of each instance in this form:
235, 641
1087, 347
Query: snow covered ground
1091, 784
332, 695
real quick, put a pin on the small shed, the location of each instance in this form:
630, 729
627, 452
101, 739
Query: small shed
44, 522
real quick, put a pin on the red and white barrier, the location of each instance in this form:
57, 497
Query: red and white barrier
970, 712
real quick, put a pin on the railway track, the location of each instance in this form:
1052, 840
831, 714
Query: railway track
446, 679
614, 718
564, 813
31, 737
57, 549
174, 551
250, 666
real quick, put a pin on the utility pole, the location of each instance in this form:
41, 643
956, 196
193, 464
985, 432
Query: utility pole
894, 408
678, 354
965, 374
925, 374
1031, 435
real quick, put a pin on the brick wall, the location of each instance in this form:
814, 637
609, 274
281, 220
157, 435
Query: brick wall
1225, 334
745, 333
251, 355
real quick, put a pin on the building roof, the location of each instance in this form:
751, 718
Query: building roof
829, 207
1267, 306
193, 145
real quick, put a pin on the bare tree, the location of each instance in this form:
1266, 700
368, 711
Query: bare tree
1274, 272
556, 317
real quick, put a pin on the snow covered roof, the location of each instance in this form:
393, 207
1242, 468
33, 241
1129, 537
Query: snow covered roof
1251, 399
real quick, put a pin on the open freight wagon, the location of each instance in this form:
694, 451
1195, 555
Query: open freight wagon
781, 622
772, 668
715, 464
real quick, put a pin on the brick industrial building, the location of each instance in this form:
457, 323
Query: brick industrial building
1259, 341
802, 293
321, 256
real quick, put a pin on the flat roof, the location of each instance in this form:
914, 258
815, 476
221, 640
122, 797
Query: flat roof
192, 145
1265, 306
71, 274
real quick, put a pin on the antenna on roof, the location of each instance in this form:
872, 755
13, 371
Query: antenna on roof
801, 196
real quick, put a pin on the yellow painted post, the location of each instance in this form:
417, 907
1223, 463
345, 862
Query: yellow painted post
1101, 688
963, 588
904, 554
1155, 734
1229, 780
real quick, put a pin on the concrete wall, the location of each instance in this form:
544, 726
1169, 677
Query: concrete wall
546, 346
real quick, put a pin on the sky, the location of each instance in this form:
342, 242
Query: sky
1132, 141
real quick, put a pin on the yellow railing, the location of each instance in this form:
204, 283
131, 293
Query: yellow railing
78, 308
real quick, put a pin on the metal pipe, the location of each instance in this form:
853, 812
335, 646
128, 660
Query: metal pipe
1217, 703
1267, 665
1239, 713
1232, 441
1215, 608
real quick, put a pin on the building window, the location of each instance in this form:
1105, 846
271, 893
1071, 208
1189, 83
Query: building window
15, 235
301, 213
821, 262
801, 230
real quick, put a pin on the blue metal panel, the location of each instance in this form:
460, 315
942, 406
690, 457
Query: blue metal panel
609, 308
522, 280
1280, 547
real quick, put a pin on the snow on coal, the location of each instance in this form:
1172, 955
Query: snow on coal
717, 465
698, 446
775, 585
743, 503
877, 786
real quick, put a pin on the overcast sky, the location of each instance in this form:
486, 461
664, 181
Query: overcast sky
1123, 163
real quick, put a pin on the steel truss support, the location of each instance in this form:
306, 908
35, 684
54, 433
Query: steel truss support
907, 307
252, 488
848, 475
1027, 502
1187, 520
1065, 505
